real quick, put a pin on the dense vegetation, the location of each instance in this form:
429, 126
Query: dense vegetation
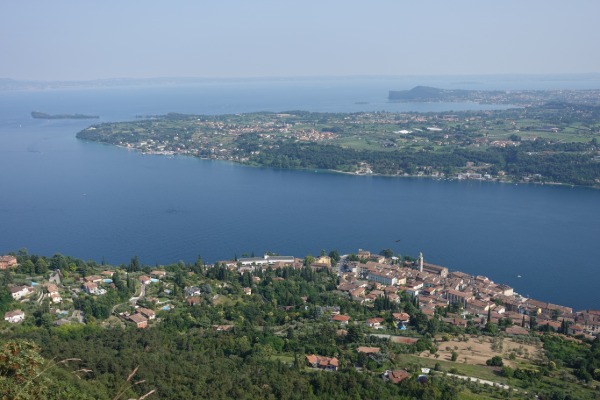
202, 364
561, 165
288, 316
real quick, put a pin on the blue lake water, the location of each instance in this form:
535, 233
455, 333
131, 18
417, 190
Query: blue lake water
89, 200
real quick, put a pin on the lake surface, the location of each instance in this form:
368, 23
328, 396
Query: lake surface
91, 201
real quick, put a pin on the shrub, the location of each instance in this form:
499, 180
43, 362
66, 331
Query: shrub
508, 372
495, 361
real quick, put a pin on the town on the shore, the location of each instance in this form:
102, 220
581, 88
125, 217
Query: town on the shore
363, 277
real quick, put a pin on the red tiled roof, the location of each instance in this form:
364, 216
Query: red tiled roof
397, 376
341, 318
401, 316
137, 318
322, 361
146, 312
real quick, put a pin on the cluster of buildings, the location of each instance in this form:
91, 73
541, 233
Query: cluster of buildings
332, 364
435, 286
371, 277
210, 138
53, 291
266, 260
321, 362
91, 284
250, 264
375, 276
140, 317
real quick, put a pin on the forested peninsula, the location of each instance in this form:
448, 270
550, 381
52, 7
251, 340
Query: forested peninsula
546, 139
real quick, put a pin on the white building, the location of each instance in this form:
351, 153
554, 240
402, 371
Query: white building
266, 260
18, 292
14, 316
385, 278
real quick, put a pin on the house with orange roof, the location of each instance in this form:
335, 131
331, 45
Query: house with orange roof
325, 363
342, 319
52, 290
8, 262
139, 320
158, 274
396, 376
90, 287
401, 317
375, 322
93, 278
150, 314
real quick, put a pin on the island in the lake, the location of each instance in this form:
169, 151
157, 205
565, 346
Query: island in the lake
42, 115
550, 137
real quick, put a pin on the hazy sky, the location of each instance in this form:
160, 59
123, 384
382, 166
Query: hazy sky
77, 40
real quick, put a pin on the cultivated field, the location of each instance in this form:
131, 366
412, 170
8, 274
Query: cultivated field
477, 350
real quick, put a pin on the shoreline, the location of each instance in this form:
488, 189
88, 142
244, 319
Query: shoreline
436, 178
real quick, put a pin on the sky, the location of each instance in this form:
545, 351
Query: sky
81, 40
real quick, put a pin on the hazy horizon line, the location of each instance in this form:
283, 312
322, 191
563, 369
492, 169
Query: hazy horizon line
298, 77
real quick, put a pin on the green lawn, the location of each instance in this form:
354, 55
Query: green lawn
468, 395
477, 371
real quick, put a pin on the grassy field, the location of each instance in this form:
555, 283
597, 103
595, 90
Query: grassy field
476, 371
468, 395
